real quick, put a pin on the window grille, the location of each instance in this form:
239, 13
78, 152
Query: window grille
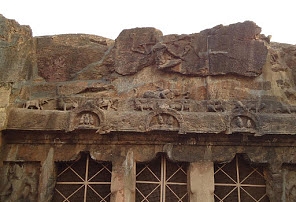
85, 180
161, 180
239, 181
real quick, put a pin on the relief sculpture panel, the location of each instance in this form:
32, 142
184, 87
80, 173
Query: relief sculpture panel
20, 183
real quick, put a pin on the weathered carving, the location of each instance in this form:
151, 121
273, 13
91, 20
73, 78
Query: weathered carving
181, 105
35, 104
144, 104
289, 176
166, 58
215, 106
249, 106
88, 120
159, 94
107, 103
86, 116
21, 184
133, 47
244, 123
165, 119
66, 103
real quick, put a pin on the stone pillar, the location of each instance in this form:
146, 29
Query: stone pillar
289, 183
123, 179
47, 178
274, 183
201, 181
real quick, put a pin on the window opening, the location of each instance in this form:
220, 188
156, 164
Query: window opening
161, 180
239, 181
85, 180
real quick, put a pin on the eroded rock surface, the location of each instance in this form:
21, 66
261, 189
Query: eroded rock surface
60, 57
17, 58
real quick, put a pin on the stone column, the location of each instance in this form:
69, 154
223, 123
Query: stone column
274, 182
123, 179
47, 178
289, 183
201, 181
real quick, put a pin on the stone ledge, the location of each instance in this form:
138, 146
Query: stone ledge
148, 121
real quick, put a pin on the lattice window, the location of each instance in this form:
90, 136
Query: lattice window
239, 181
161, 181
84, 180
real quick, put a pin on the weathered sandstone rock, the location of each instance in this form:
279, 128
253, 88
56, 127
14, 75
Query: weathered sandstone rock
17, 58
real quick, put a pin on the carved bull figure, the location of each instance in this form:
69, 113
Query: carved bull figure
65, 103
181, 105
35, 104
143, 104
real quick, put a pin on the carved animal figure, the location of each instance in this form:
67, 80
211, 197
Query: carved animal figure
215, 106
181, 106
35, 104
284, 109
159, 94
255, 107
151, 94
66, 103
107, 104
143, 104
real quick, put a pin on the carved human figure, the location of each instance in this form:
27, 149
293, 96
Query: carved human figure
160, 120
243, 122
107, 103
21, 186
86, 120
170, 121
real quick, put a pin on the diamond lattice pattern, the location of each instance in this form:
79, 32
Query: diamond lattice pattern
161, 181
239, 181
84, 180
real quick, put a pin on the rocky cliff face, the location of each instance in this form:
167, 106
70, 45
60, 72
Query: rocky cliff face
224, 80
232, 69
